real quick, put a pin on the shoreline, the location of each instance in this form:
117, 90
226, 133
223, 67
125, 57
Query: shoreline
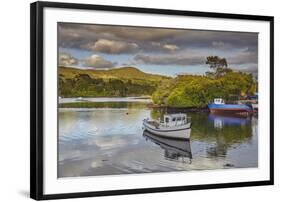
93, 104
179, 109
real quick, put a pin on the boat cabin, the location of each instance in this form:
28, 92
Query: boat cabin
175, 119
219, 101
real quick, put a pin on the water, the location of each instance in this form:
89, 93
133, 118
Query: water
109, 140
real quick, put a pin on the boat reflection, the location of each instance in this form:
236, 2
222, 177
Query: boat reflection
174, 149
222, 120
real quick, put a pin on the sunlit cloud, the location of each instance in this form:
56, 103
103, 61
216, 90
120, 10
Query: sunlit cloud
65, 59
97, 61
113, 47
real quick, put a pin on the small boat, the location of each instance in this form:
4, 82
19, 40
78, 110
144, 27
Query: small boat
255, 106
174, 149
219, 106
81, 99
173, 126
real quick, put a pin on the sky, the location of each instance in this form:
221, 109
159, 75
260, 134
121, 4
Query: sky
154, 50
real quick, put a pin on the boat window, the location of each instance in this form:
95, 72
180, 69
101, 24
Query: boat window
179, 118
167, 120
183, 118
174, 119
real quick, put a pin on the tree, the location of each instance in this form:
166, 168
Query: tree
216, 62
219, 64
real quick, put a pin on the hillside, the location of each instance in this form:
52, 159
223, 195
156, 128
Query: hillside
125, 73
118, 82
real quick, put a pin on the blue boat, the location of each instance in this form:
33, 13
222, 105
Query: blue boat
219, 106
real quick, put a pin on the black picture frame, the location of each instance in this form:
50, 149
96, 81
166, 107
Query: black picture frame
36, 98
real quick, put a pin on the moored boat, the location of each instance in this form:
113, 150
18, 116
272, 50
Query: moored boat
173, 126
81, 99
219, 106
255, 106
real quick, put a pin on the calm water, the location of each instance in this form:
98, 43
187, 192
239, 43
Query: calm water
110, 140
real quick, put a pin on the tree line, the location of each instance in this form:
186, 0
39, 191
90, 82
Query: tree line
82, 85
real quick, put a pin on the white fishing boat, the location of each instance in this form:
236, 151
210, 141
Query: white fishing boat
173, 126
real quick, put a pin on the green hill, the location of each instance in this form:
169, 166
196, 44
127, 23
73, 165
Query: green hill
117, 73
117, 82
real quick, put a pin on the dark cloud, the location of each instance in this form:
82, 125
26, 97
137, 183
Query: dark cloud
65, 59
217, 39
83, 36
168, 59
244, 57
130, 38
119, 32
220, 45
251, 68
97, 61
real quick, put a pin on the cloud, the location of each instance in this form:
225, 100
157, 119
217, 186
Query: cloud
171, 47
244, 57
248, 68
84, 36
167, 59
160, 47
119, 32
113, 47
251, 68
97, 62
218, 44
65, 59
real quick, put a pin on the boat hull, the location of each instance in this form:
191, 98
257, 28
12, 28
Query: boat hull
181, 132
230, 108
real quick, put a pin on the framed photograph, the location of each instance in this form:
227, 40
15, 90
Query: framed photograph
135, 100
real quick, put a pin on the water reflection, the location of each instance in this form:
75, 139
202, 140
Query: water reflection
108, 139
222, 120
174, 149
